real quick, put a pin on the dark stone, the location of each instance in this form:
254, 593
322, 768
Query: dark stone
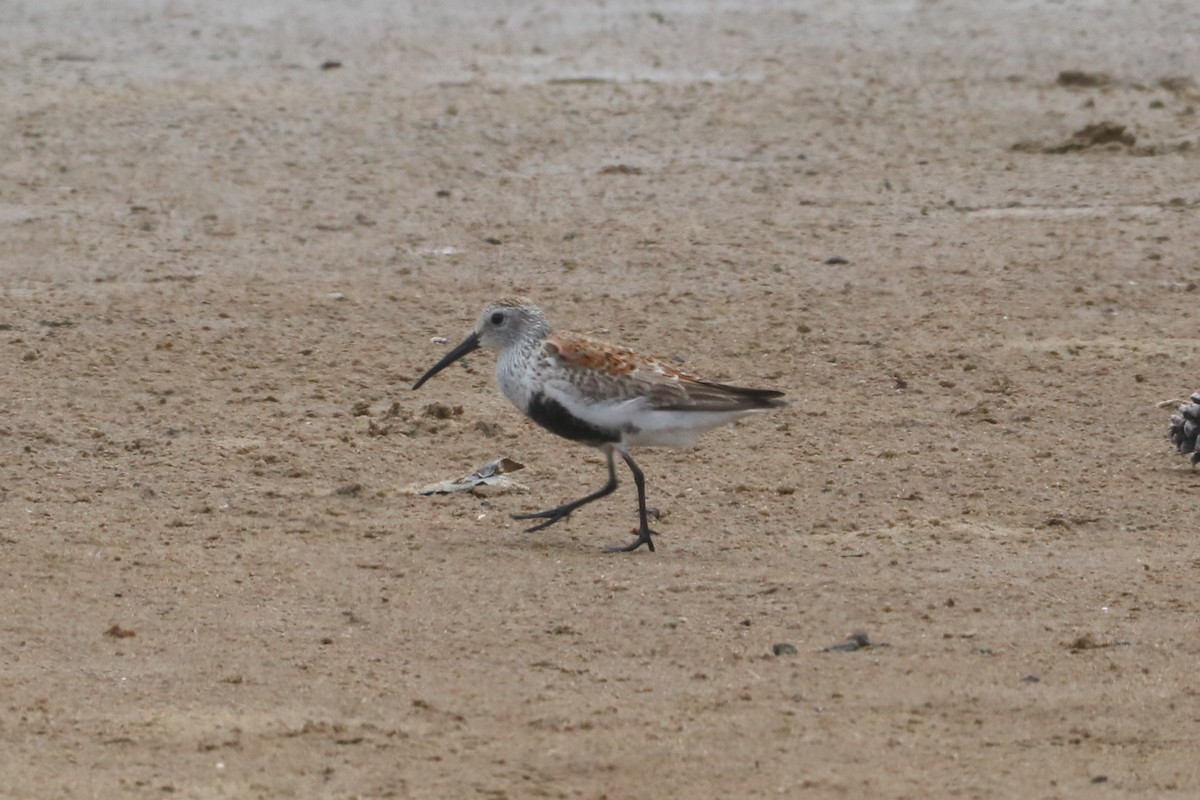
856, 641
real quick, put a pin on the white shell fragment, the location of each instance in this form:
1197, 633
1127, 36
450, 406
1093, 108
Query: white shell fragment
492, 478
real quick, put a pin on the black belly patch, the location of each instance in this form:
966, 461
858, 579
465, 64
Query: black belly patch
554, 417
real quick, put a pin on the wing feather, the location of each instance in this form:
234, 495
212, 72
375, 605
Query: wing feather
700, 395
609, 374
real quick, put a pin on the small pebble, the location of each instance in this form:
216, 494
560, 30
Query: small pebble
857, 641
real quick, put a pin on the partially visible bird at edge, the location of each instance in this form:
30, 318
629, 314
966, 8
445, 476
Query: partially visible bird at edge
1185, 428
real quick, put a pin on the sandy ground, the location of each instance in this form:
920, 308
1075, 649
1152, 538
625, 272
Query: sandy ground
222, 266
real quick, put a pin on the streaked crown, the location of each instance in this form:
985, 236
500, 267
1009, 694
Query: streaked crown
508, 321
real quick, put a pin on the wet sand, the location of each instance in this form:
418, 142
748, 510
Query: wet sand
230, 237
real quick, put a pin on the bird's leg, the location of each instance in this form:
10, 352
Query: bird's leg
644, 531
553, 515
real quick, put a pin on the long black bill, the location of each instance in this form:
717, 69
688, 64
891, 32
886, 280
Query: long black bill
468, 344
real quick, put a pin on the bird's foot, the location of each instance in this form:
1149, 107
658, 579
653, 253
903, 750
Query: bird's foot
643, 539
551, 515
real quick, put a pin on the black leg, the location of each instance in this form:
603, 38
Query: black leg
553, 515
644, 531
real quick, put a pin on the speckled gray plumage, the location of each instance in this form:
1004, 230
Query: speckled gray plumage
1185, 427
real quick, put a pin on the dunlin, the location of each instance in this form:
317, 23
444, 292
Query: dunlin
608, 397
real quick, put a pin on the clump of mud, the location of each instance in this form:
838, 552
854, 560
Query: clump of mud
1110, 135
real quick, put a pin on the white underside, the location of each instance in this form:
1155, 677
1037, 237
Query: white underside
641, 425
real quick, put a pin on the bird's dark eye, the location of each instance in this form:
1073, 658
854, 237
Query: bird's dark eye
497, 318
